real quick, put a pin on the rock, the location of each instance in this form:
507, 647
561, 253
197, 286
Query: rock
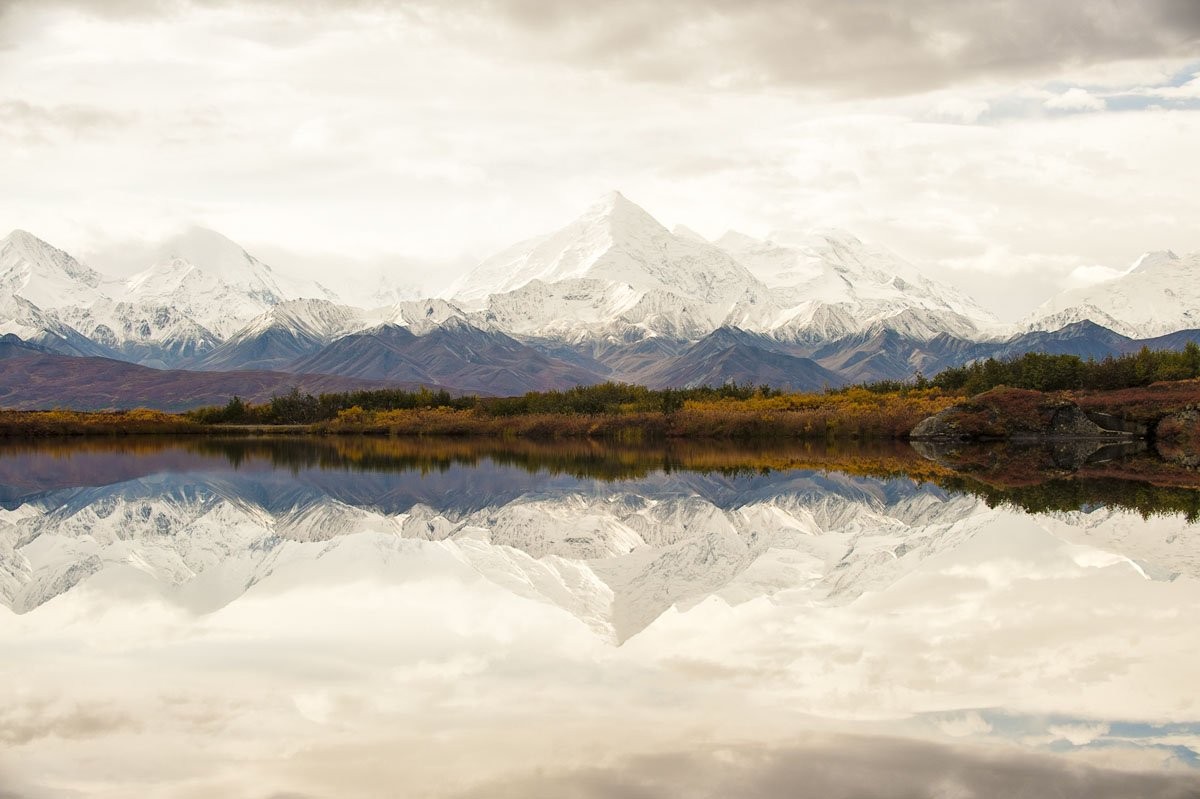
1070, 422
941, 426
1116, 424
1177, 437
1006, 414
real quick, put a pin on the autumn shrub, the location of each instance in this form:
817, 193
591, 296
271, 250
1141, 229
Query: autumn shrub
76, 423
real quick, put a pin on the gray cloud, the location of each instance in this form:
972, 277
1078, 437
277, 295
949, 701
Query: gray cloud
20, 725
25, 122
869, 47
843, 768
864, 48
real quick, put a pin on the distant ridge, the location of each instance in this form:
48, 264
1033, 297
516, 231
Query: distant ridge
35, 380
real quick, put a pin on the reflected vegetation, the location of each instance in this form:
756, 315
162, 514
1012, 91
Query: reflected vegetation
1037, 477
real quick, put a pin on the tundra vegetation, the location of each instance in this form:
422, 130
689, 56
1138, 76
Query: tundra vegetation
607, 411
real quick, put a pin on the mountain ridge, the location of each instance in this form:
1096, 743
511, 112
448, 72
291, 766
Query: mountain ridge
612, 295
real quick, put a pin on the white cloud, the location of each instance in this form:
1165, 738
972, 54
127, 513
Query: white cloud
1076, 99
1078, 734
1189, 90
961, 109
1091, 274
312, 135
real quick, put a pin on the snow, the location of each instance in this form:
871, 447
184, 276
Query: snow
613, 275
1158, 294
829, 283
612, 269
615, 272
44, 275
307, 318
201, 289
215, 282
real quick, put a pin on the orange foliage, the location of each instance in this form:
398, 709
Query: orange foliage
851, 414
76, 423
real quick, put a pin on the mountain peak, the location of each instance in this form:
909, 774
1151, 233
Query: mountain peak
44, 274
685, 232
611, 200
30, 244
1152, 260
207, 248
1157, 295
618, 212
736, 240
19, 236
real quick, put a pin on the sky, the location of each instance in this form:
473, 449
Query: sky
1011, 147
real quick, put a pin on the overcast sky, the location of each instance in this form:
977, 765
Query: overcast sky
1013, 147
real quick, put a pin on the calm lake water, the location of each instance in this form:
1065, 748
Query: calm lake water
371, 618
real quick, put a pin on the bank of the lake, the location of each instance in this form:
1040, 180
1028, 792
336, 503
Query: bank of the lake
620, 413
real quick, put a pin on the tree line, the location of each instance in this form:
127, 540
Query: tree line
1043, 372
1033, 370
297, 407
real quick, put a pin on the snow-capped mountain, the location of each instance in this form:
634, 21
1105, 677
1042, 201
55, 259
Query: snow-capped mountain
45, 275
215, 282
158, 335
1158, 294
613, 271
201, 288
36, 278
617, 273
453, 354
291, 330
830, 284
20, 317
296, 329
729, 354
423, 316
386, 287
614, 295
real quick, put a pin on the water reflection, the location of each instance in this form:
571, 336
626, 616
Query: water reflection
365, 617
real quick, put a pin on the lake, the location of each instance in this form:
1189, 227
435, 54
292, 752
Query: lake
377, 618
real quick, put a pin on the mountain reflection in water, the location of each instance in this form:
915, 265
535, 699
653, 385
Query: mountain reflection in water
377, 617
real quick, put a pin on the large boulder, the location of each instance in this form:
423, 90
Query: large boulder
942, 426
1017, 414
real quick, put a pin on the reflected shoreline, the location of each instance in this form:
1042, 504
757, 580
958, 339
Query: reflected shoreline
1036, 476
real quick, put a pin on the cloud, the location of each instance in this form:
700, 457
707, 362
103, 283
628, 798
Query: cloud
1090, 275
866, 48
960, 109
1078, 734
417, 138
25, 122
840, 768
965, 724
23, 724
1075, 99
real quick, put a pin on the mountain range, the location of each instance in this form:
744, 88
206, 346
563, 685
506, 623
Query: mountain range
614, 295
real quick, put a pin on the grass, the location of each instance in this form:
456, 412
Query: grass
140, 421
